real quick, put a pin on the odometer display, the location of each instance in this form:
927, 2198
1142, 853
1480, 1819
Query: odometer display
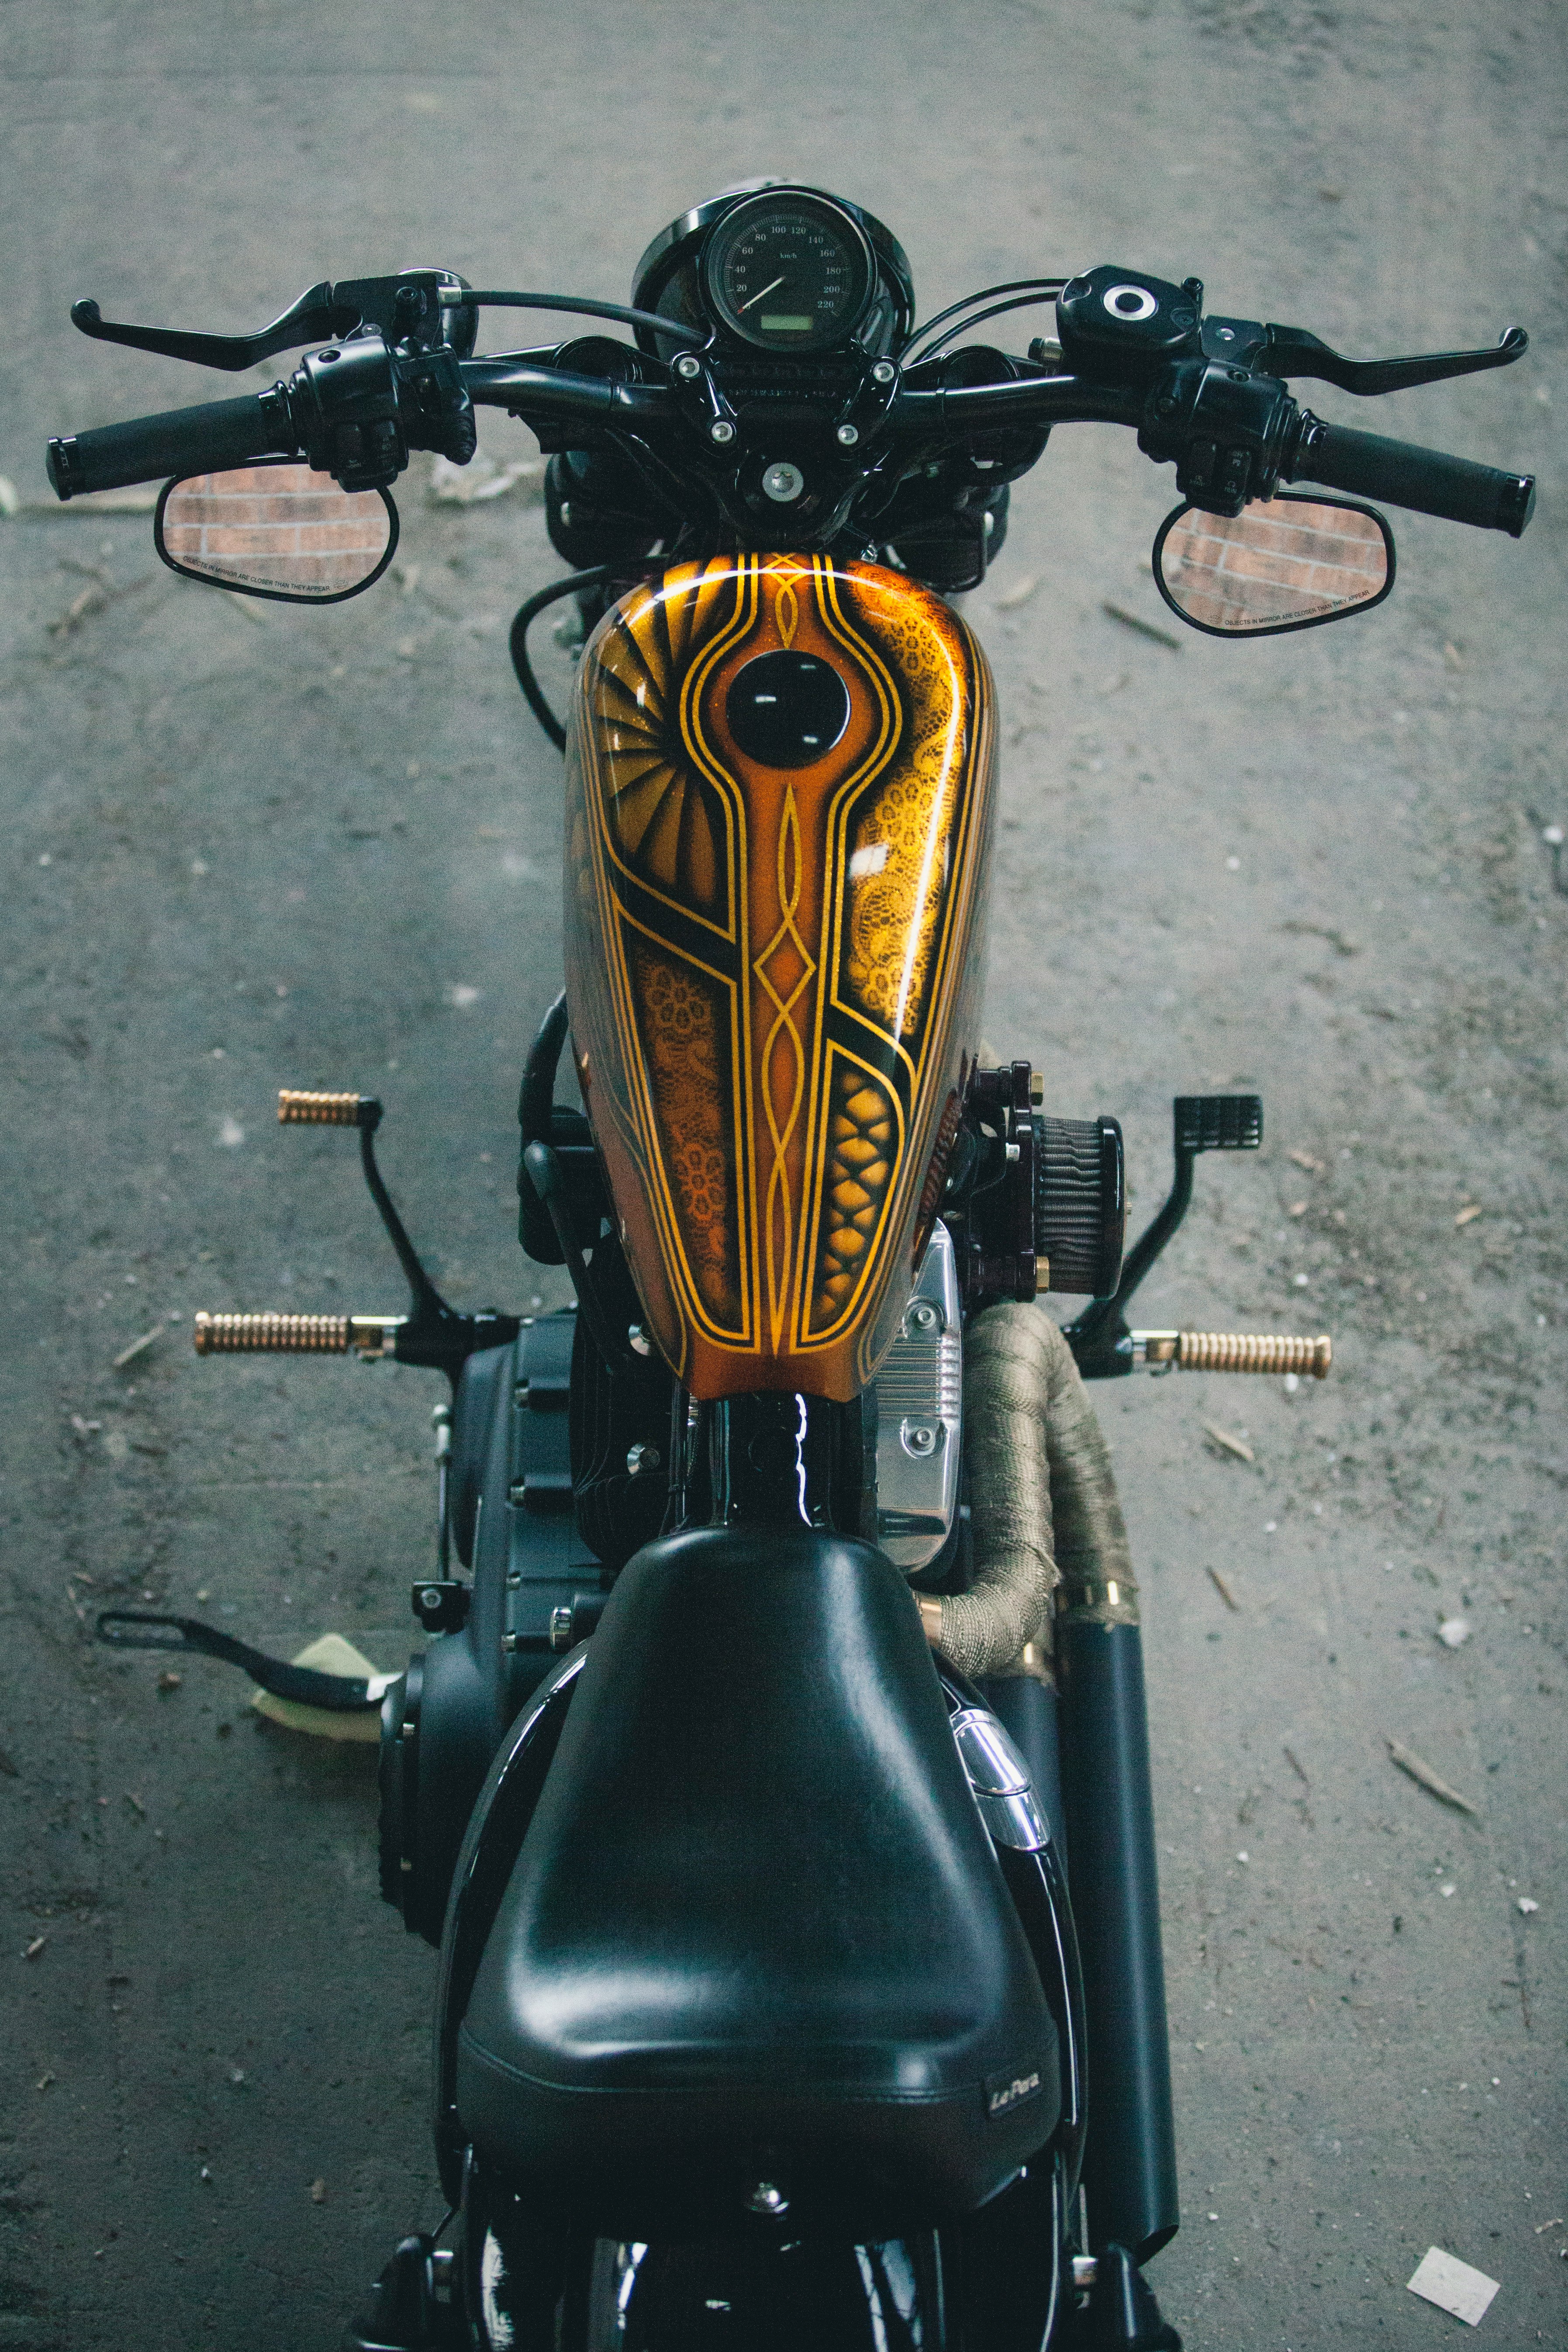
788, 273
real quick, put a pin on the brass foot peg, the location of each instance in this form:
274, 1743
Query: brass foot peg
299, 1107
298, 1335
1232, 1352
431, 1333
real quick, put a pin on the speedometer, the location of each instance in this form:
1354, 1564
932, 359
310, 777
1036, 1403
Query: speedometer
789, 273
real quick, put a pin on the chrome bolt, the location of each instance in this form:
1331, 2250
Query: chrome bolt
509, 1642
721, 430
784, 484
638, 1340
640, 1458
688, 367
430, 1598
884, 371
848, 434
920, 1439
514, 1581
519, 1394
922, 1315
561, 1628
517, 1490
765, 2198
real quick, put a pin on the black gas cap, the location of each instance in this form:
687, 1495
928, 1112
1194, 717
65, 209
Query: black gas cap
786, 709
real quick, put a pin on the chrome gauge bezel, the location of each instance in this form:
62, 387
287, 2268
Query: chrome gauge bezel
737, 221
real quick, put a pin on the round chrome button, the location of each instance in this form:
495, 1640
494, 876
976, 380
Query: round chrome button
784, 484
1130, 303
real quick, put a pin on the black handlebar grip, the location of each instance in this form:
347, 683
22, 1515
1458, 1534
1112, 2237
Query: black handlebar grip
1370, 467
219, 434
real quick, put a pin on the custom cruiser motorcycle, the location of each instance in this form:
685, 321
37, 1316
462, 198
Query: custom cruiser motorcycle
775, 1782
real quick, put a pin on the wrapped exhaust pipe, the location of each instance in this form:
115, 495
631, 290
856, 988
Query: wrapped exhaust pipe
1047, 1527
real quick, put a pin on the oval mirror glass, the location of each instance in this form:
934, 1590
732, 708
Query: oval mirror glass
277, 530
1289, 562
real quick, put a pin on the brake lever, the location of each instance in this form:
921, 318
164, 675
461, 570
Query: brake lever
405, 308
1274, 350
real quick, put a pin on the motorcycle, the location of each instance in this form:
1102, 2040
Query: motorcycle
775, 1783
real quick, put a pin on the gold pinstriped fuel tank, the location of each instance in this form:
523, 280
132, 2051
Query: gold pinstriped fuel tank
779, 798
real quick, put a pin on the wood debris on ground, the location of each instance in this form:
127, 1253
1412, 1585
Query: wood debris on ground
1420, 1771
1468, 1213
1222, 1588
1145, 628
137, 1348
1229, 1441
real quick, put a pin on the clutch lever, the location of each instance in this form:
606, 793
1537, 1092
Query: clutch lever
314, 317
413, 307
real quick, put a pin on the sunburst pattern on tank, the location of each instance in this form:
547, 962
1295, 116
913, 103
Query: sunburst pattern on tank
668, 823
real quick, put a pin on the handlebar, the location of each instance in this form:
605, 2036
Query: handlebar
1287, 442
206, 439
547, 392
1369, 465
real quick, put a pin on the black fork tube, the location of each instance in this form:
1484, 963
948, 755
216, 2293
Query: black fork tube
1129, 2163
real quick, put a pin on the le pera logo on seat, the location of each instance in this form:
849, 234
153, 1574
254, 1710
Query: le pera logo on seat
1006, 2091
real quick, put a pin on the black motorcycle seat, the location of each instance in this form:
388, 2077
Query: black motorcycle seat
756, 1936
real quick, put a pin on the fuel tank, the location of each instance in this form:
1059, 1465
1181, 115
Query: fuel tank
779, 811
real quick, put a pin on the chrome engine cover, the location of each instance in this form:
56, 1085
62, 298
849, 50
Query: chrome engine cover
919, 1416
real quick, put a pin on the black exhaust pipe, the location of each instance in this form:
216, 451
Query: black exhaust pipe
1130, 2162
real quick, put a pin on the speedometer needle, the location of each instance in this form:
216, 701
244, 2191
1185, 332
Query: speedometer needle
757, 297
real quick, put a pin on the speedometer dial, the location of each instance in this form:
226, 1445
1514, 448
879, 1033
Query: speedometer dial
789, 273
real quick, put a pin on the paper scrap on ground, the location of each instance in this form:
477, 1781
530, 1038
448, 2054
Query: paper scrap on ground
1011, 598
1452, 2285
330, 1655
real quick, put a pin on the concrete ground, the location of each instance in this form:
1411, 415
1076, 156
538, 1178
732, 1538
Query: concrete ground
247, 847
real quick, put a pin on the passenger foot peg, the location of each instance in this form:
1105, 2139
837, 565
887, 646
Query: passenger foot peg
298, 1335
432, 1333
1232, 1352
1123, 2315
299, 1107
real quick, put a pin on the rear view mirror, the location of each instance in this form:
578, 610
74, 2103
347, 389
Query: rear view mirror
1289, 562
277, 530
